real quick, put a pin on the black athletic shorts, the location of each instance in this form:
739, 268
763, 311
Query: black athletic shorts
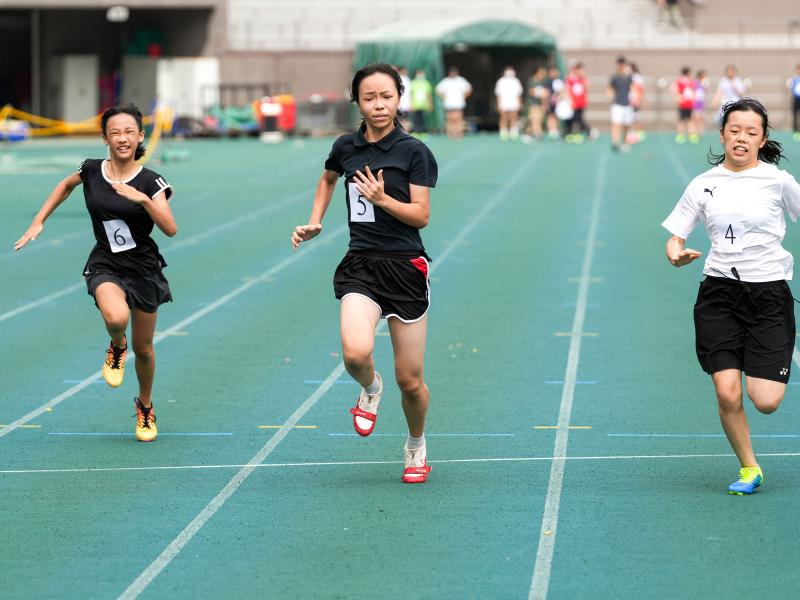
745, 326
145, 293
398, 285
684, 114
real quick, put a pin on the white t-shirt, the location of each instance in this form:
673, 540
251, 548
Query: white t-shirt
731, 89
454, 91
743, 213
405, 99
508, 90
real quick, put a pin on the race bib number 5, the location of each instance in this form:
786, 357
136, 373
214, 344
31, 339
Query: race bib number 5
361, 209
730, 234
119, 235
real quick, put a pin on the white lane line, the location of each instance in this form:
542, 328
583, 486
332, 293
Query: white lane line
172, 550
176, 327
540, 580
59, 241
350, 463
189, 241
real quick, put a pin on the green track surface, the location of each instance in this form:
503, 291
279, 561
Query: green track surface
640, 517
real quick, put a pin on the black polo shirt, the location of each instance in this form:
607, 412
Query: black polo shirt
121, 228
405, 160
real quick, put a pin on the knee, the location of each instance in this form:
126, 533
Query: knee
143, 350
729, 398
409, 382
767, 404
116, 319
356, 356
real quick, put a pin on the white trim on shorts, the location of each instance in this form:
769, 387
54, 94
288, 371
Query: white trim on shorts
398, 317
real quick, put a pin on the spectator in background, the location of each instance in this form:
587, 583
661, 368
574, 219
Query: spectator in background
683, 88
794, 87
537, 101
404, 108
421, 92
699, 111
670, 11
730, 89
556, 86
508, 92
619, 92
454, 91
636, 133
577, 86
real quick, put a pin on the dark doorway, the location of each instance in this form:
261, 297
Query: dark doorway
482, 67
15, 58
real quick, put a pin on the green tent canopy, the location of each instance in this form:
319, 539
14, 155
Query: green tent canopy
423, 45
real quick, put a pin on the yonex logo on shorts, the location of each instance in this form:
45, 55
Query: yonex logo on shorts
784, 371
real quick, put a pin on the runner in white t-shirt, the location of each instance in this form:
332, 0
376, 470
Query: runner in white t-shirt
454, 91
508, 92
730, 88
744, 313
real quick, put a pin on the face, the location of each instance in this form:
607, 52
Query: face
123, 135
742, 138
730, 72
378, 100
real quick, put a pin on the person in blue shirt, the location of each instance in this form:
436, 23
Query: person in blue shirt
794, 88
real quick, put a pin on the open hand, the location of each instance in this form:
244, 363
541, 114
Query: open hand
303, 233
33, 232
129, 193
684, 257
370, 187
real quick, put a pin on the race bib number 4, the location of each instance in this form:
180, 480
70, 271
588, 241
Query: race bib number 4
361, 209
119, 235
730, 234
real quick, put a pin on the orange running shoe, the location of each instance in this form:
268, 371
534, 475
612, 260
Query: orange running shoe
145, 422
114, 367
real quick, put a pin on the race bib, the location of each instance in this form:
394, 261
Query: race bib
119, 235
361, 209
730, 234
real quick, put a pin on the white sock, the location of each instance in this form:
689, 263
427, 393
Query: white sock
374, 387
413, 443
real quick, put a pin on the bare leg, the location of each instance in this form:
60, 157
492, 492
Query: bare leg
144, 326
111, 300
765, 394
728, 384
358, 318
408, 342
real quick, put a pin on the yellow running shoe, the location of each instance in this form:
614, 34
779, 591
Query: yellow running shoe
145, 422
749, 479
114, 367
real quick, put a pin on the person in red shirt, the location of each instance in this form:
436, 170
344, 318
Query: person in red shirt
578, 90
684, 91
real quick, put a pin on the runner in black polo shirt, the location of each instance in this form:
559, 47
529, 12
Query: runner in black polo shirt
123, 272
388, 176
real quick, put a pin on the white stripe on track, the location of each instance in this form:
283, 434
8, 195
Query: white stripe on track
350, 463
174, 548
540, 580
59, 241
189, 241
180, 325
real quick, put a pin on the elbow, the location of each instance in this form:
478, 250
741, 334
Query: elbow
423, 223
171, 231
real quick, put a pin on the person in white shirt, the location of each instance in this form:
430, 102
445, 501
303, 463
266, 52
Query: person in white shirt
508, 92
744, 314
454, 91
730, 88
404, 108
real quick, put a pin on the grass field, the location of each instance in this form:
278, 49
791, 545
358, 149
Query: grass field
575, 443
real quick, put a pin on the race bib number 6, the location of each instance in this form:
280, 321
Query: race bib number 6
361, 209
730, 234
119, 235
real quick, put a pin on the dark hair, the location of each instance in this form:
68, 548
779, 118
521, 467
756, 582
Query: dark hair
685, 70
771, 152
371, 69
125, 109
621, 60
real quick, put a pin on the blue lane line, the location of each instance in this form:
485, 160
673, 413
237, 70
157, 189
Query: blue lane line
428, 434
338, 381
561, 382
699, 435
106, 433
74, 381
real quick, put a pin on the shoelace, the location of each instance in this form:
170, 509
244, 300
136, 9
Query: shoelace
116, 356
145, 415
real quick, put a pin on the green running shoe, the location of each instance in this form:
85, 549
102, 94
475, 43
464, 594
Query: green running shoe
749, 479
